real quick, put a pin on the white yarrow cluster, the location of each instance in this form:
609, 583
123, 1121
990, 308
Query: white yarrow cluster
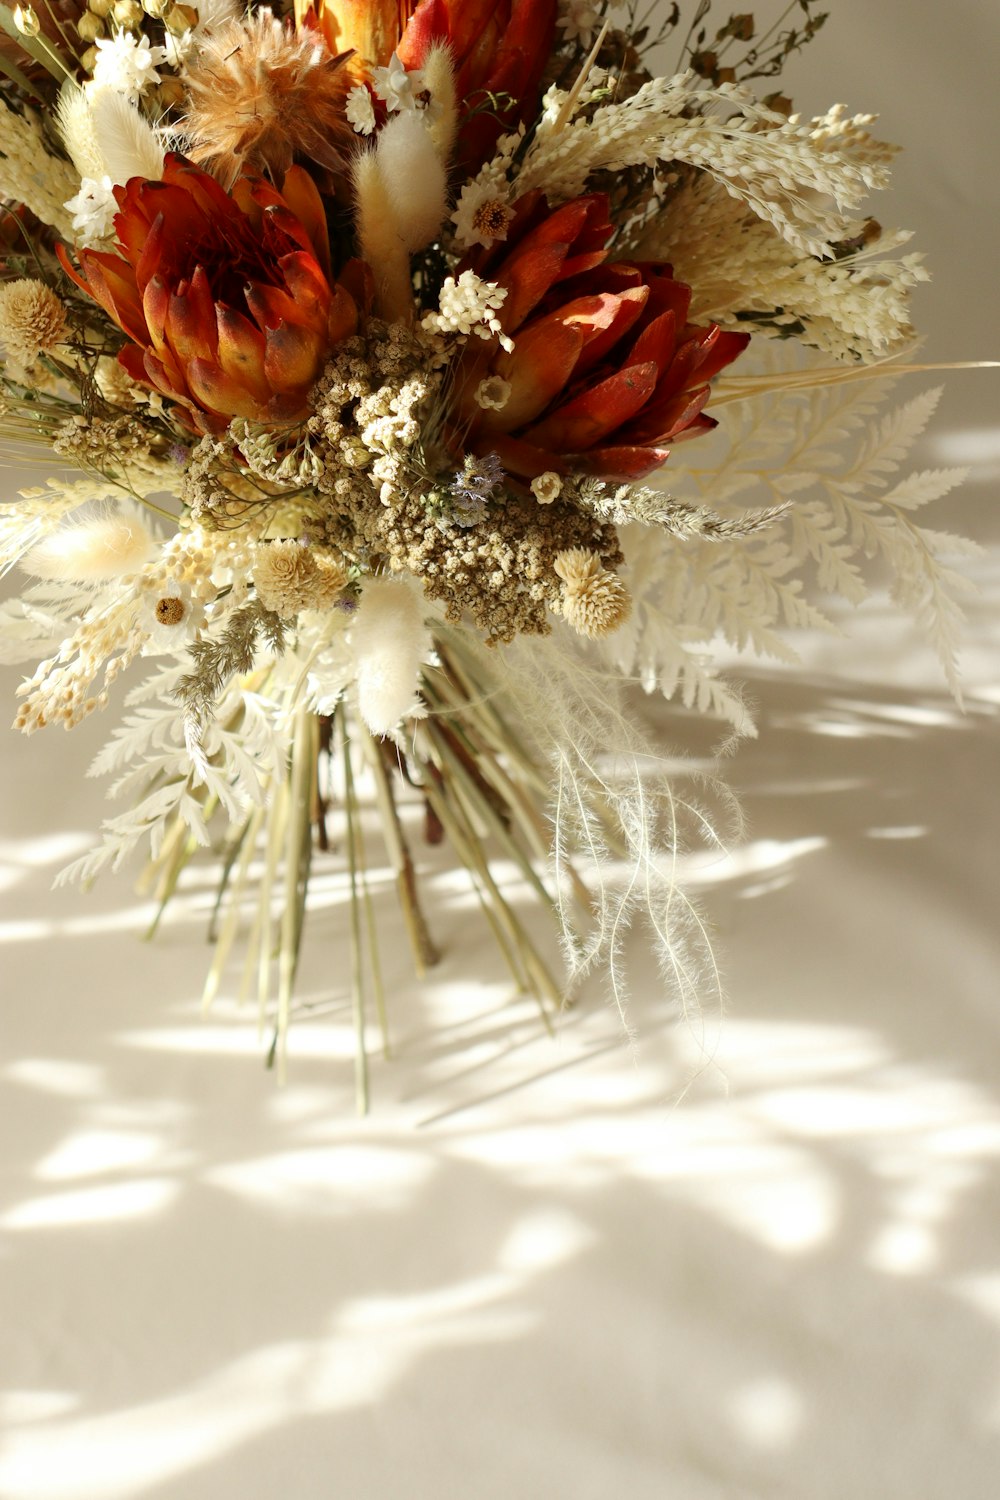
469, 305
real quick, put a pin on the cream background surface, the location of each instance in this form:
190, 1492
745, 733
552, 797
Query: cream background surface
753, 1257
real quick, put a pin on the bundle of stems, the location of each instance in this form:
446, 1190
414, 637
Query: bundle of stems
482, 793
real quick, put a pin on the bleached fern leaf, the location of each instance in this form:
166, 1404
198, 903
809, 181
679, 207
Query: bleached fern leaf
834, 453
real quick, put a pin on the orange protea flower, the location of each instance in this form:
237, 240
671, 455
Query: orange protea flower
260, 94
605, 368
227, 298
498, 47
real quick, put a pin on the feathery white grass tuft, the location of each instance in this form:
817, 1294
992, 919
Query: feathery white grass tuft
93, 551
390, 643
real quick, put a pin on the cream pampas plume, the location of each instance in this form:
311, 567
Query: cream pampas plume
126, 141
439, 77
390, 642
401, 198
414, 178
381, 246
92, 552
75, 123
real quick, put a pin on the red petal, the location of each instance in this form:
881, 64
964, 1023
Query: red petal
190, 323
293, 357
591, 416
622, 462
302, 196
538, 370
664, 420
656, 342
604, 319
524, 459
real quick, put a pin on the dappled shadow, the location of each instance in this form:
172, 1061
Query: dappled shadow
723, 1263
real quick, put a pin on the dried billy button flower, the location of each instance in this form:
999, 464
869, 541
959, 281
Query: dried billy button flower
290, 577
261, 94
593, 599
32, 319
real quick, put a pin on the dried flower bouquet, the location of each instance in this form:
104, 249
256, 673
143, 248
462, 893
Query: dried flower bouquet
361, 333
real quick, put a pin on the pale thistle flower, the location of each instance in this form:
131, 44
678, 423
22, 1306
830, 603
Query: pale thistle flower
32, 319
290, 577
360, 111
593, 600
127, 64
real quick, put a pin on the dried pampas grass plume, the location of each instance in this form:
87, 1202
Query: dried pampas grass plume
92, 552
259, 94
593, 599
390, 642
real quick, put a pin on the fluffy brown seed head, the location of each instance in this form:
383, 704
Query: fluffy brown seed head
260, 94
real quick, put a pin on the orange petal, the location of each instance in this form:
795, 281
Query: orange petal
241, 351
302, 196
218, 392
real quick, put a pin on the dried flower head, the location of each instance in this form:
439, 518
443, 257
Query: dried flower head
290, 577
260, 94
32, 319
547, 487
594, 600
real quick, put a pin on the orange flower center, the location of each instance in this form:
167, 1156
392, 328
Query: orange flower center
491, 219
170, 611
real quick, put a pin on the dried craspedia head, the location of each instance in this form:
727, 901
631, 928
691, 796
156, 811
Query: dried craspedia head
32, 319
290, 577
593, 599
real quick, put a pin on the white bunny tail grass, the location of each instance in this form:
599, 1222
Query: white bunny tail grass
390, 643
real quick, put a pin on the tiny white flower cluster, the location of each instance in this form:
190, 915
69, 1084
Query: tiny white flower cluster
93, 209
126, 64
469, 305
359, 110
399, 89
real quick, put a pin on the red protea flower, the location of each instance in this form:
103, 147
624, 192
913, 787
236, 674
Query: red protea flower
498, 47
605, 368
227, 298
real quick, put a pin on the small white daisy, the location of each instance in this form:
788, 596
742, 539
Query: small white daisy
359, 110
170, 616
481, 215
